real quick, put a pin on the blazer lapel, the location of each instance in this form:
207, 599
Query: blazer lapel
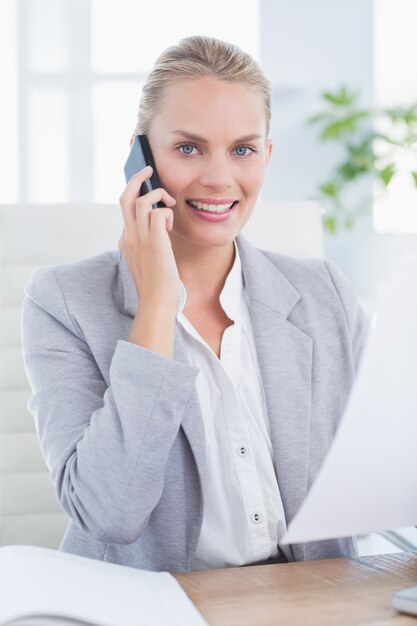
285, 360
192, 421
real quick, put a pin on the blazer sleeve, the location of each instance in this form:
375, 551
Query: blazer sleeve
357, 321
106, 447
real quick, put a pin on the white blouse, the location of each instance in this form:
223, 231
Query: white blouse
243, 517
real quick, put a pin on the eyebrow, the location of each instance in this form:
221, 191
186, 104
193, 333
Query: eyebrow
194, 137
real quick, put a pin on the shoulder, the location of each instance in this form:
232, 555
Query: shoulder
323, 289
51, 287
312, 275
83, 272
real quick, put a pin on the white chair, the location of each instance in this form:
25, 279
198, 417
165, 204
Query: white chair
30, 237
294, 228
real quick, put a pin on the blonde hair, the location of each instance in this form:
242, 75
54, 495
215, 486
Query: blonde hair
196, 57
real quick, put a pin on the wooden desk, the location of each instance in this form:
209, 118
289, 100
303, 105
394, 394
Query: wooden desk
333, 592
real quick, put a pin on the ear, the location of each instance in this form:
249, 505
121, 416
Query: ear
269, 147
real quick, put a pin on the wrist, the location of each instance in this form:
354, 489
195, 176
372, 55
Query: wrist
157, 310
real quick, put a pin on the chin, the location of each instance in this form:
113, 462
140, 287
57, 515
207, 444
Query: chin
212, 239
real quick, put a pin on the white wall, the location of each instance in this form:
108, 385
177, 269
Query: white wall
308, 46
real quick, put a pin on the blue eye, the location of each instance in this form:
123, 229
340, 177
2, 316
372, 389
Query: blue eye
186, 148
242, 150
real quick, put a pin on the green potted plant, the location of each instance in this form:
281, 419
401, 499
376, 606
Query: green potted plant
371, 139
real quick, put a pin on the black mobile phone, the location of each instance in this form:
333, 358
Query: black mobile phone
140, 156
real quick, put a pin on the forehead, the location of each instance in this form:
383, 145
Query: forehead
206, 104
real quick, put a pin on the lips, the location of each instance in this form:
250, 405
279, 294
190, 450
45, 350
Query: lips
212, 205
214, 216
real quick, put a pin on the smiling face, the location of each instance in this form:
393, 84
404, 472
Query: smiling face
211, 152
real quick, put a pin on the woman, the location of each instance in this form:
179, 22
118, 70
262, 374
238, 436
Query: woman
187, 387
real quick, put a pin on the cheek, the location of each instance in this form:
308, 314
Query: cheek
253, 179
174, 178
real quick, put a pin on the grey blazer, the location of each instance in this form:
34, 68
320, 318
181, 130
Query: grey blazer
121, 428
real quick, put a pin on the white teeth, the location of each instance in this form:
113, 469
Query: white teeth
212, 208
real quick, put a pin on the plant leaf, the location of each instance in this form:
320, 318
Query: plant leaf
387, 173
330, 189
329, 224
395, 114
410, 115
343, 126
402, 114
365, 146
410, 139
342, 97
414, 175
388, 139
351, 169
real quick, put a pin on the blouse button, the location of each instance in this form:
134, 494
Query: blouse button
242, 451
255, 517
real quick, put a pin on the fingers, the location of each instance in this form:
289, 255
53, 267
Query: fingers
138, 209
145, 212
128, 198
161, 220
132, 190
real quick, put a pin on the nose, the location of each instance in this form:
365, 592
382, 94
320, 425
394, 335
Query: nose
216, 172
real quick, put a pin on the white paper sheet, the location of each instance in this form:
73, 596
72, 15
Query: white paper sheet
368, 481
41, 582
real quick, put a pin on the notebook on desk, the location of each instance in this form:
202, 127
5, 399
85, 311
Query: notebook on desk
42, 587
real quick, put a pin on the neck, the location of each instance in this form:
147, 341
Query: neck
203, 270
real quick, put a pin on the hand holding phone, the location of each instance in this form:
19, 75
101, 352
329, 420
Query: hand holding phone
140, 156
145, 243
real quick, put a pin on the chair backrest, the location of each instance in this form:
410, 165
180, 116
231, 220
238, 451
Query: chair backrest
32, 236
294, 228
